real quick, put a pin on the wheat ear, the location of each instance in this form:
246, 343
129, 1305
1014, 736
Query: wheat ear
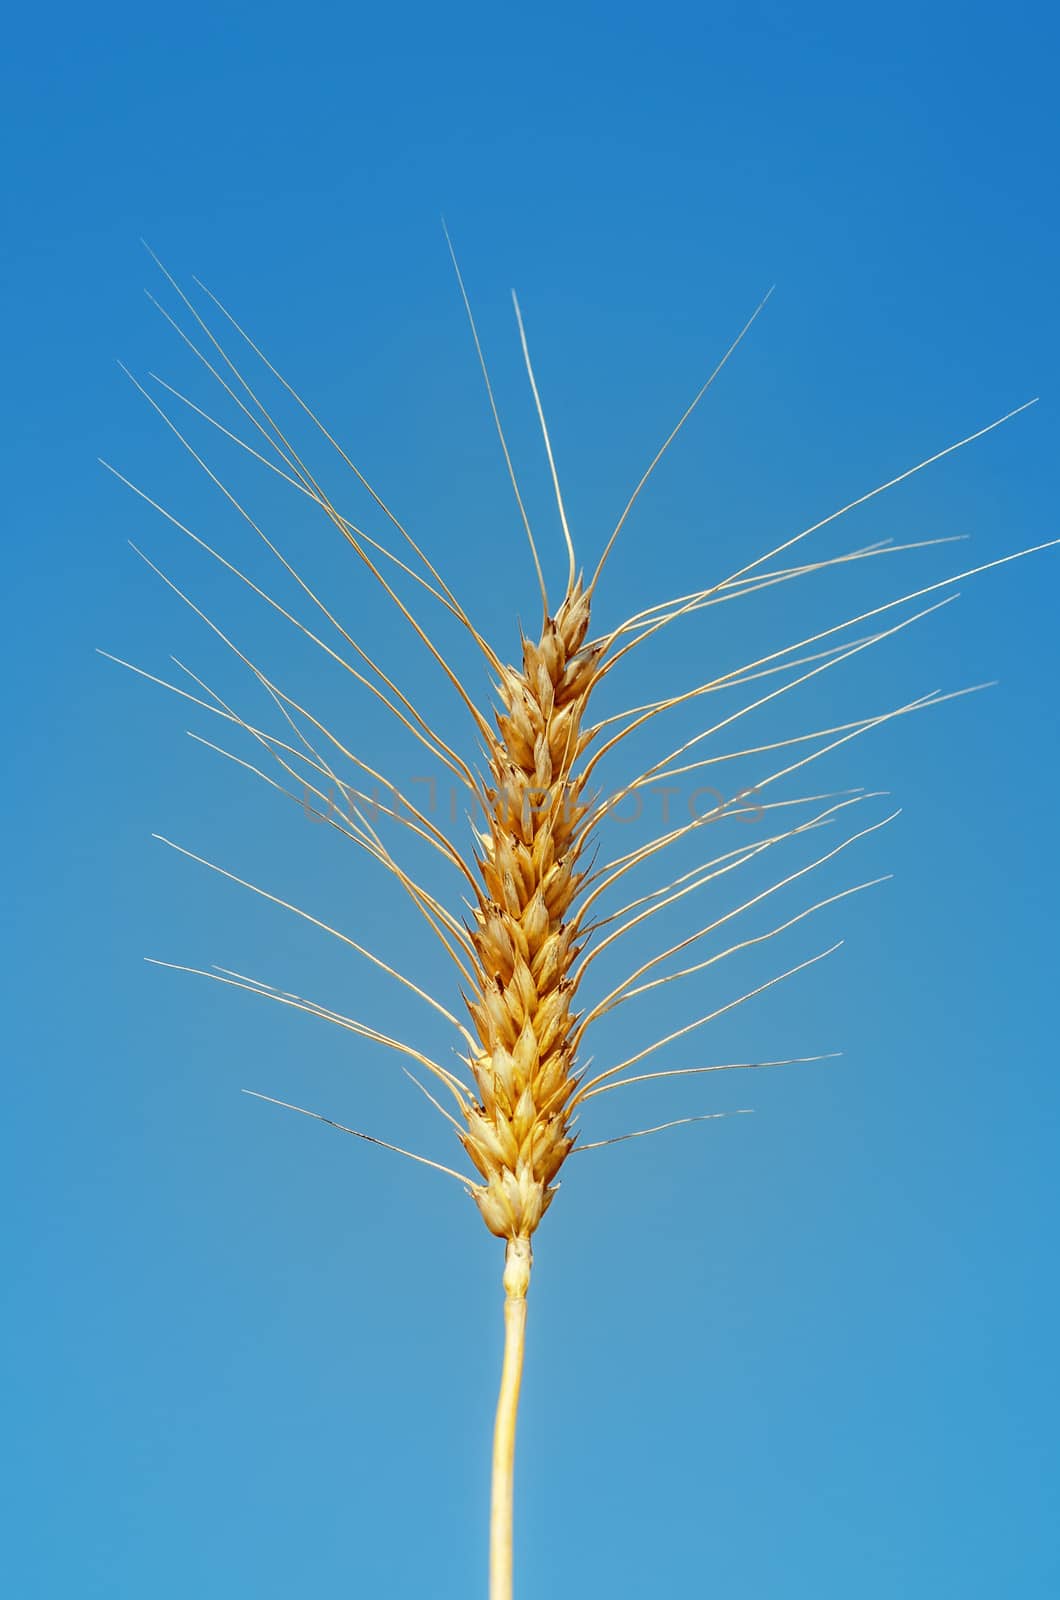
527, 943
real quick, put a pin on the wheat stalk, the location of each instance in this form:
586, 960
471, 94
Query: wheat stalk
537, 901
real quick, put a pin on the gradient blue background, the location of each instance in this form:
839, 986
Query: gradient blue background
808, 1353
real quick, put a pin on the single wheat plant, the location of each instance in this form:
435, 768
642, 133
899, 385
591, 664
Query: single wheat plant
539, 905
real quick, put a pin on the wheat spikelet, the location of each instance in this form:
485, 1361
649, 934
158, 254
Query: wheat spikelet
537, 906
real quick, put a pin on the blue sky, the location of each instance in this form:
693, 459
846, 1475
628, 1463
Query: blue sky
808, 1352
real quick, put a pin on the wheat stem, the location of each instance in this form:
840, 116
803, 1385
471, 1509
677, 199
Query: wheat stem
517, 1264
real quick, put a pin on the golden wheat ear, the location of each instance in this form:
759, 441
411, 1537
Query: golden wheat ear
527, 935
